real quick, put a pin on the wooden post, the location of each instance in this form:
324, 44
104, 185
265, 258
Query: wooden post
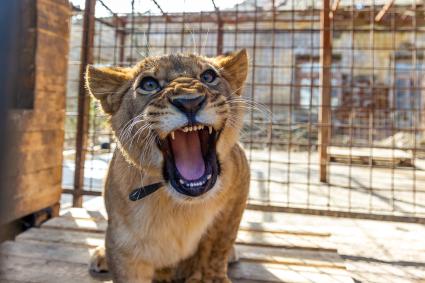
83, 102
325, 89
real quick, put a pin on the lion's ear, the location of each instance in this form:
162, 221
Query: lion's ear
235, 67
108, 85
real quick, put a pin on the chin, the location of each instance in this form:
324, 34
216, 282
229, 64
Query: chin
191, 165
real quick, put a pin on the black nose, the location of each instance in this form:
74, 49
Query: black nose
189, 106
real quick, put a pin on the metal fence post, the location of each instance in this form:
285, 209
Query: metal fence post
83, 102
325, 89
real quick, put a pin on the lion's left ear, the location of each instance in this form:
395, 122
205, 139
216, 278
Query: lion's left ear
235, 66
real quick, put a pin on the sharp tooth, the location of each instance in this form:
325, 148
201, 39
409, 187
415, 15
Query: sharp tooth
185, 129
210, 129
200, 127
209, 177
181, 181
172, 135
190, 129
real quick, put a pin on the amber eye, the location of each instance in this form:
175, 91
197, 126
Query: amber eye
209, 76
149, 85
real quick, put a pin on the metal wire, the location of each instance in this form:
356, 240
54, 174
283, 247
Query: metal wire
376, 151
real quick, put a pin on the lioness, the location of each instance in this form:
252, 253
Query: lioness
176, 120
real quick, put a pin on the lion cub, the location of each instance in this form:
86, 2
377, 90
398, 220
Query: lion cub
176, 120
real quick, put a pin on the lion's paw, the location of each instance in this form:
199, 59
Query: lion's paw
98, 266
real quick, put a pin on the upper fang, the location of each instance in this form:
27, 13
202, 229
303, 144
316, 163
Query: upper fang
210, 129
172, 135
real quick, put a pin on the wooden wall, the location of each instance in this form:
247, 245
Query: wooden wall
34, 174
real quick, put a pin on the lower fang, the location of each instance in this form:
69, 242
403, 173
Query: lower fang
209, 177
181, 181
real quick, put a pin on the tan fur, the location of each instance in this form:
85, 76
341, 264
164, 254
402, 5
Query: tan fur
168, 236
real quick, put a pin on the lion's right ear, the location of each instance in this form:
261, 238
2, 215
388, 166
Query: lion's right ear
108, 85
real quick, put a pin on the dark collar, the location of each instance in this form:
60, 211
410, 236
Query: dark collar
144, 191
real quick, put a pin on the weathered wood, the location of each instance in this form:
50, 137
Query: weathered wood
23, 96
47, 270
325, 89
33, 191
289, 256
37, 120
245, 237
260, 260
61, 248
270, 272
51, 251
266, 239
86, 225
246, 224
66, 237
34, 182
31, 161
22, 269
376, 156
251, 252
37, 140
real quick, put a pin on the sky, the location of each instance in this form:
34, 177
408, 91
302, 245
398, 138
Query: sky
169, 6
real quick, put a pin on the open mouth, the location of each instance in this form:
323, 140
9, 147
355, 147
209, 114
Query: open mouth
191, 165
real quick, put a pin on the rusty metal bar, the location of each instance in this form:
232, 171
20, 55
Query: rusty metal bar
122, 36
220, 25
83, 102
325, 89
386, 7
220, 37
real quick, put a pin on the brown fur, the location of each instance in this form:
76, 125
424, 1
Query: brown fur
168, 236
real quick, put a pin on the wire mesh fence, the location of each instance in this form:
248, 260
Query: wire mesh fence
348, 119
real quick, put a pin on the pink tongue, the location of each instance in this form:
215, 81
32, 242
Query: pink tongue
188, 155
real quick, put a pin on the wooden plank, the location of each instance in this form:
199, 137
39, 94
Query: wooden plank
246, 225
37, 140
34, 191
22, 269
367, 155
269, 272
37, 120
283, 229
292, 271
267, 239
77, 212
76, 224
51, 251
58, 236
246, 252
46, 270
289, 256
30, 161
308, 242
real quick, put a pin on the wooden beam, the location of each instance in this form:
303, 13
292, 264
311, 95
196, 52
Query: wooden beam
325, 88
83, 102
384, 9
